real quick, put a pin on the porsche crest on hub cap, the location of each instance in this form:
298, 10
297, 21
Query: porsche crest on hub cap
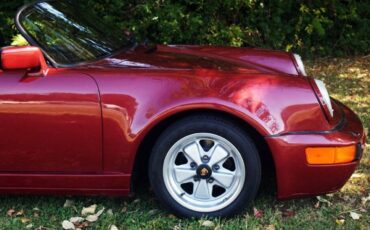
204, 171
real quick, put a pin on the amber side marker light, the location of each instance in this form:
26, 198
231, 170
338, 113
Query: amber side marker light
330, 155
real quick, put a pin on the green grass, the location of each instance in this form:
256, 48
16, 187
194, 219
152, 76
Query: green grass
347, 79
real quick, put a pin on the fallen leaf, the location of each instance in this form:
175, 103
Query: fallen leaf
363, 210
136, 201
152, 212
339, 221
288, 213
323, 200
218, 227
29, 226
176, 227
271, 227
95, 217
82, 225
68, 225
20, 213
113, 227
124, 210
317, 205
68, 203
36, 212
100, 212
25, 220
88, 210
365, 199
10, 212
92, 218
355, 216
110, 212
257, 213
76, 220
208, 224
171, 216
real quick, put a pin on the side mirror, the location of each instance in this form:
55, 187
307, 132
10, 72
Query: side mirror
24, 58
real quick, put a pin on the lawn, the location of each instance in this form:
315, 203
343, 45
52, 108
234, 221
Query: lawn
347, 79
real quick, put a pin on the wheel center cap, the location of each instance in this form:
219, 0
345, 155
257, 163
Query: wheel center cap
204, 171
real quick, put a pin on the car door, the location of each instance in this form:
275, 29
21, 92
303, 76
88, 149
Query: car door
49, 124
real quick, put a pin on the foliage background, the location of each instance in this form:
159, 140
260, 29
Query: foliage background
318, 28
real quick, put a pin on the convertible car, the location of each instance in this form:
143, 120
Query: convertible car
86, 110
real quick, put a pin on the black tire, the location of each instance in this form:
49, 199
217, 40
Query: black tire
214, 125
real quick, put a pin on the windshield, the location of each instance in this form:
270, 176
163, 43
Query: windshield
68, 34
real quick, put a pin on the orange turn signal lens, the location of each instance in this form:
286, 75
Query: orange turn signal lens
330, 155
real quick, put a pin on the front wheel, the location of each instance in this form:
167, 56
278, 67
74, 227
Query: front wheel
205, 166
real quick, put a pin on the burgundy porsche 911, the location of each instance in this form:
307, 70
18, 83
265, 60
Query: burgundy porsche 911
85, 110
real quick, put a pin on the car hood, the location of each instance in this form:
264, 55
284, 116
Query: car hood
173, 58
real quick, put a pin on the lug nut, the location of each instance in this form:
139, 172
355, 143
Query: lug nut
216, 167
196, 178
193, 165
205, 158
210, 180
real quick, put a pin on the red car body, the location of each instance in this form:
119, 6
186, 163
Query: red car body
79, 129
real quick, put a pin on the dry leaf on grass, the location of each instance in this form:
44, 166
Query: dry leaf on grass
10, 212
113, 227
208, 224
82, 225
68, 203
68, 225
124, 210
36, 212
218, 227
355, 215
339, 221
288, 213
110, 212
95, 217
25, 220
89, 210
153, 212
100, 212
20, 213
271, 227
365, 199
363, 210
323, 200
257, 213
92, 218
76, 220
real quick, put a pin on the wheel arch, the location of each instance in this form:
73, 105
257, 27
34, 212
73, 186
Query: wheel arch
140, 167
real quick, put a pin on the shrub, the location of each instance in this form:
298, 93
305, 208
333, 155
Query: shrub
332, 27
